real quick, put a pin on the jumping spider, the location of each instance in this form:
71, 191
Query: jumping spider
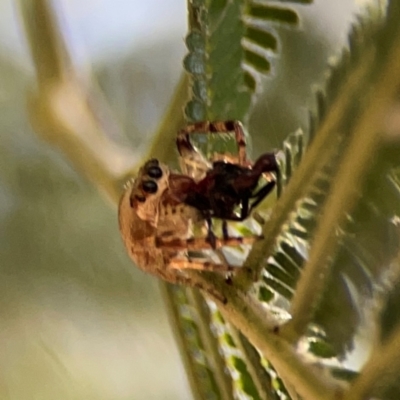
159, 208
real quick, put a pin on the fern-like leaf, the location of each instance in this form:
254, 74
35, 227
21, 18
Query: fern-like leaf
230, 44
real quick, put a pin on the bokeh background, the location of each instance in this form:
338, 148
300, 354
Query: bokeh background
77, 319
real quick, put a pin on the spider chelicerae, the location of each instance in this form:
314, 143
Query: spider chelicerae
159, 208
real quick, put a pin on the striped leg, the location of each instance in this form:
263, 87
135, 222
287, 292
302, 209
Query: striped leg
203, 243
201, 264
194, 164
206, 127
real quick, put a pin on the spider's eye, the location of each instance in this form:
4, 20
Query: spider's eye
149, 186
154, 172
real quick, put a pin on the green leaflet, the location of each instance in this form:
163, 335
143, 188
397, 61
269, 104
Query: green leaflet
253, 378
230, 44
214, 61
220, 362
198, 364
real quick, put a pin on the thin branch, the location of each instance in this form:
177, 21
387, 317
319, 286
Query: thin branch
64, 111
72, 114
47, 46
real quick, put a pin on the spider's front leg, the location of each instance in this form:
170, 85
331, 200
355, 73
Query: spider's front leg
207, 127
261, 195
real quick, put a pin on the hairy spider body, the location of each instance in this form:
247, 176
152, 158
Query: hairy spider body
140, 237
159, 208
156, 226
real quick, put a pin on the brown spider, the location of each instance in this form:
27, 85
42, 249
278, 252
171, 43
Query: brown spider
159, 208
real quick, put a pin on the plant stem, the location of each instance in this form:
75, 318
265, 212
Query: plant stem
262, 331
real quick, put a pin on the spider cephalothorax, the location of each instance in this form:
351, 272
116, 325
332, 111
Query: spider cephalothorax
147, 190
159, 207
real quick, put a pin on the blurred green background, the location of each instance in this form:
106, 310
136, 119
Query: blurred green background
77, 319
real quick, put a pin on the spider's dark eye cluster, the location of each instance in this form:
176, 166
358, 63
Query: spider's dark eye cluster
149, 186
153, 169
150, 170
154, 172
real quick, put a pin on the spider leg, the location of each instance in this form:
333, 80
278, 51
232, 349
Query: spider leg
225, 233
191, 160
231, 159
258, 218
211, 238
232, 216
194, 164
262, 194
203, 243
245, 211
199, 264
207, 127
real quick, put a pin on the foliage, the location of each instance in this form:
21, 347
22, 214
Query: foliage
327, 267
